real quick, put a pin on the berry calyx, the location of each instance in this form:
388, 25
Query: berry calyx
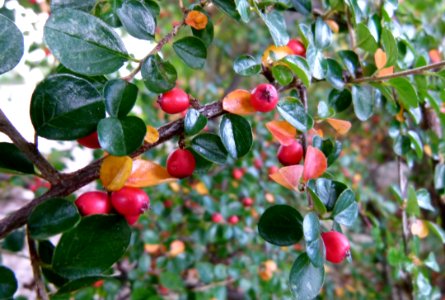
264, 97
181, 163
90, 141
297, 47
337, 246
290, 154
217, 218
92, 203
174, 101
130, 201
233, 220
247, 202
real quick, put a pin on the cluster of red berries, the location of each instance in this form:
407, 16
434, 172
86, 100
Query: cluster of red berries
129, 202
218, 219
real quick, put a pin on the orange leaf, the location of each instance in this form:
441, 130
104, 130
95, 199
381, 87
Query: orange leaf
152, 135
238, 102
315, 163
147, 173
289, 177
176, 247
282, 131
279, 178
380, 58
342, 127
385, 71
274, 53
196, 19
114, 171
435, 56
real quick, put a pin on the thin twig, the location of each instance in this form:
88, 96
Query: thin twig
213, 284
35, 263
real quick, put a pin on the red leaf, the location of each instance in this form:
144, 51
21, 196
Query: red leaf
315, 163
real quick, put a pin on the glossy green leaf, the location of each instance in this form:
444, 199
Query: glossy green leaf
345, 209
159, 76
424, 199
437, 230
405, 90
431, 262
402, 145
315, 248
194, 122
416, 143
340, 100
85, 5
11, 158
229, 7
206, 34
52, 217
326, 190
243, 8
331, 149
363, 100
281, 225
106, 10
305, 279
412, 206
210, 147
282, 74
302, 6
322, 34
192, 51
334, 74
277, 27
121, 137
375, 26
350, 61
439, 177
120, 97
365, 40
92, 247
390, 47
137, 19
66, 107
315, 60
15, 241
87, 46
299, 67
357, 12
202, 165
46, 252
246, 65
11, 45
293, 111
8, 283
236, 135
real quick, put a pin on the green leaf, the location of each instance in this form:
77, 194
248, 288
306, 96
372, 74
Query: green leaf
303, 6
85, 5
390, 47
171, 280
87, 46
326, 190
375, 26
351, 61
412, 207
192, 51
120, 97
363, 100
137, 19
11, 45
243, 8
77, 284
8, 283
305, 280
281, 225
202, 164
331, 149
402, 145
424, 199
106, 10
194, 122
229, 7
300, 67
315, 248
431, 262
15, 241
246, 65
206, 34
293, 112
277, 27
282, 74
52, 217
365, 40
405, 90
315, 60
439, 177
236, 135
416, 143
346, 208
437, 230
11, 158
92, 247
340, 100
334, 74
210, 147
159, 76
66, 107
121, 137
322, 34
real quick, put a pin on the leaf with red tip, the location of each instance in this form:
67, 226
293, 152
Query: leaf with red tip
315, 163
289, 176
282, 131
341, 127
146, 173
238, 102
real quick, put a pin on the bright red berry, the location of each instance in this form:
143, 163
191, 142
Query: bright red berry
130, 201
297, 47
174, 101
238, 173
247, 202
217, 218
264, 97
290, 154
337, 246
272, 170
91, 203
233, 220
131, 220
181, 163
90, 141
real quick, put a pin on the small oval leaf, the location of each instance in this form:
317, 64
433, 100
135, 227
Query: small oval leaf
236, 135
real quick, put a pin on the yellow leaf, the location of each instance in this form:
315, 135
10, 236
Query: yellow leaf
420, 229
115, 171
341, 127
282, 131
238, 102
152, 248
201, 188
333, 25
380, 58
274, 53
196, 19
152, 135
176, 247
146, 173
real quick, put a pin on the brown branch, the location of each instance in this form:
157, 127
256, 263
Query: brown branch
35, 263
30, 150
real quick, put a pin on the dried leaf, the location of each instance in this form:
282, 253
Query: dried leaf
152, 135
385, 71
289, 177
341, 127
315, 164
275, 53
115, 171
238, 102
146, 173
196, 19
282, 131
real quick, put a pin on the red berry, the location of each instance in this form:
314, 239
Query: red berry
237, 173
98, 283
233, 220
181, 163
217, 218
337, 246
168, 203
264, 97
174, 101
92, 203
247, 201
131, 219
130, 201
297, 47
290, 154
90, 141
258, 163
272, 170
